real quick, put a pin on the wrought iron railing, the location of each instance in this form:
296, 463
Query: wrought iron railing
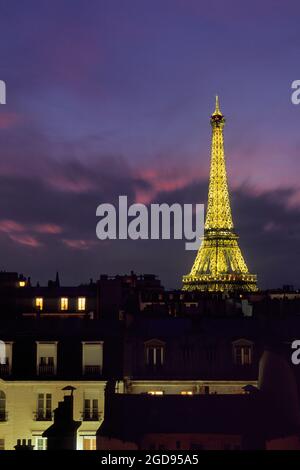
4, 369
46, 369
92, 370
43, 415
88, 415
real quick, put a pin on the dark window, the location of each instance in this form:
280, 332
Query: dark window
91, 410
155, 356
242, 355
2, 406
44, 407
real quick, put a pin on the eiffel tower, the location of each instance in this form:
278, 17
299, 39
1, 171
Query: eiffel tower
219, 265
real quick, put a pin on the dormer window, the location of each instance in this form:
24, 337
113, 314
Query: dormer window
242, 352
39, 303
64, 303
154, 353
81, 303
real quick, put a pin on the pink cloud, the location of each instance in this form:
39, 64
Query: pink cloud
48, 229
10, 226
164, 180
78, 244
294, 200
19, 232
65, 184
26, 240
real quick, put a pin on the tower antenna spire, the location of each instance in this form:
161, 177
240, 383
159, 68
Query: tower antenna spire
217, 111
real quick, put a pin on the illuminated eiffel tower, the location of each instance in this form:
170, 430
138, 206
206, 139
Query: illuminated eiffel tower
219, 265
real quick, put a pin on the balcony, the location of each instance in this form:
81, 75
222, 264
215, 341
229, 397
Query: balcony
92, 371
4, 370
88, 415
46, 370
3, 416
43, 415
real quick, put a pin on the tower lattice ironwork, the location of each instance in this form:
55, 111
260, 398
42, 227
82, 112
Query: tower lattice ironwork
219, 265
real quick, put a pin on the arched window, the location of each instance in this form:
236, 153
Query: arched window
2, 406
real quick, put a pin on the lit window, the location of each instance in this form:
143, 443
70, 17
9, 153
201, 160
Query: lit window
81, 303
64, 303
39, 303
155, 392
89, 443
186, 392
22, 283
41, 443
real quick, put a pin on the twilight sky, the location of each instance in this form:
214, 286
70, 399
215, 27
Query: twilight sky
113, 97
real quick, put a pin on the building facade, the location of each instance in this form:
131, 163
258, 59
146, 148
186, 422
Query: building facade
150, 341
41, 358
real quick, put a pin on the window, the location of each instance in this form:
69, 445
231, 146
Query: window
243, 355
39, 303
155, 353
5, 358
2, 444
91, 409
89, 443
41, 443
44, 407
46, 358
92, 358
186, 392
3, 415
155, 392
22, 283
64, 303
242, 352
81, 303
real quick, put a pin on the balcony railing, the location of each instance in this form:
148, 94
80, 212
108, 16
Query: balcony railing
4, 369
92, 371
3, 416
88, 415
46, 369
43, 415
